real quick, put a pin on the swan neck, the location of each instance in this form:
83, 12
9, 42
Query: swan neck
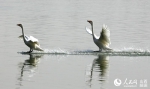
92, 31
92, 28
22, 32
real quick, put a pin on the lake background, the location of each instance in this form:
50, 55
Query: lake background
60, 25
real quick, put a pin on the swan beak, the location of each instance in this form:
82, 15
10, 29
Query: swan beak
90, 21
18, 24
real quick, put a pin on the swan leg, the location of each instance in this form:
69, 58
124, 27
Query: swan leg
100, 50
30, 50
96, 51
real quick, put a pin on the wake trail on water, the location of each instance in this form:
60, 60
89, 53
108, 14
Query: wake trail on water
115, 52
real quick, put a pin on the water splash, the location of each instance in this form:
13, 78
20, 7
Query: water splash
116, 52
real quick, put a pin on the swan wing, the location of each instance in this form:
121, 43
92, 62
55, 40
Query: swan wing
90, 32
26, 37
34, 40
21, 37
30, 39
105, 36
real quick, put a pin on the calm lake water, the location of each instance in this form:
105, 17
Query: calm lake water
60, 26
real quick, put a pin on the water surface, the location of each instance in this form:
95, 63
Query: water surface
61, 25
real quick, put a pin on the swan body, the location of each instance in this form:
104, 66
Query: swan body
103, 41
30, 41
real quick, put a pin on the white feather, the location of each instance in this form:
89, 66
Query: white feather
106, 33
31, 38
90, 32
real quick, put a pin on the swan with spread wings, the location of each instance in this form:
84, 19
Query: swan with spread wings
103, 41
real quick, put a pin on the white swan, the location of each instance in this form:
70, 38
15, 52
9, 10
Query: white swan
31, 42
103, 41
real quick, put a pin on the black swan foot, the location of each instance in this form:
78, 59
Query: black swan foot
30, 51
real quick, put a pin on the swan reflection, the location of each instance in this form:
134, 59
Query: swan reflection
31, 63
98, 67
28, 68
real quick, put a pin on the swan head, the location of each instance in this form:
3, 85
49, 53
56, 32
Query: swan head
90, 21
20, 25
